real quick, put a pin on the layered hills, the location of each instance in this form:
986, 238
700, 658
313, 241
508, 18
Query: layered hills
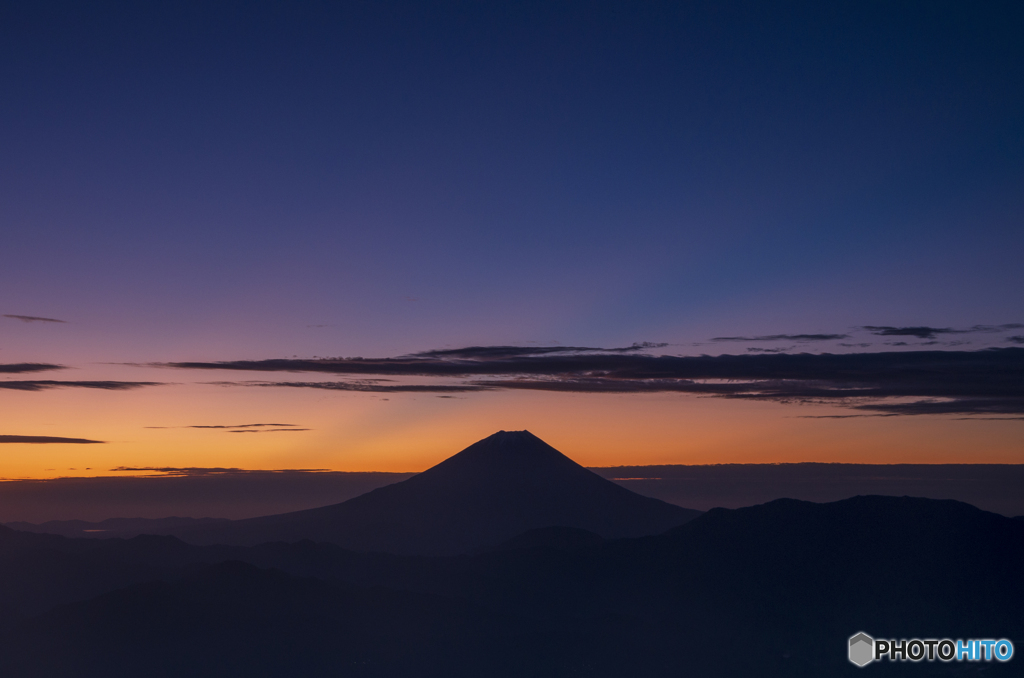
769, 590
509, 560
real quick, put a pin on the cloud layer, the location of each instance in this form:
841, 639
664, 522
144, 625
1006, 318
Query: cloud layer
989, 381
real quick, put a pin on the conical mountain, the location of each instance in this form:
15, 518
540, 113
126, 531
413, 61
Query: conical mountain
490, 492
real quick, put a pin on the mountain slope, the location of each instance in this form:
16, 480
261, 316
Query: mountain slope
492, 491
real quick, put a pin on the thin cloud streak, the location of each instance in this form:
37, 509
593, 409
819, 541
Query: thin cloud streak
222, 426
42, 440
33, 319
101, 385
844, 416
498, 352
787, 337
361, 387
22, 368
997, 328
990, 406
202, 471
270, 430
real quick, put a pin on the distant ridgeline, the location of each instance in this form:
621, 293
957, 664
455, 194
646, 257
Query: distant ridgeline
993, 487
129, 505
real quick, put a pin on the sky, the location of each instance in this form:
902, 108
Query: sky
650, 233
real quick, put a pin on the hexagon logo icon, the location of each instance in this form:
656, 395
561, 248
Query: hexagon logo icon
862, 649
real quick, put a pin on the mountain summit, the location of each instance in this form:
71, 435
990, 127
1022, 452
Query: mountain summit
488, 493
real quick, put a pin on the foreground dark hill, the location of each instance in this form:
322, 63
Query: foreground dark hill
490, 492
771, 590
233, 619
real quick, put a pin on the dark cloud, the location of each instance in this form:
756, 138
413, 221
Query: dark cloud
254, 426
102, 385
613, 385
1007, 406
20, 368
497, 352
769, 350
925, 332
919, 332
996, 328
33, 319
935, 382
787, 337
48, 439
1017, 339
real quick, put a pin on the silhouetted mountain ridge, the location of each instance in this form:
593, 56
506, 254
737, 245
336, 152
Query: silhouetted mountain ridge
490, 492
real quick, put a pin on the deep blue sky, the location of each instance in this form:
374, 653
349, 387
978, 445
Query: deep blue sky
579, 172
222, 181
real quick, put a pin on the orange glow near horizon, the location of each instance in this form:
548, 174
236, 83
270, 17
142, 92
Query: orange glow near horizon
411, 432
